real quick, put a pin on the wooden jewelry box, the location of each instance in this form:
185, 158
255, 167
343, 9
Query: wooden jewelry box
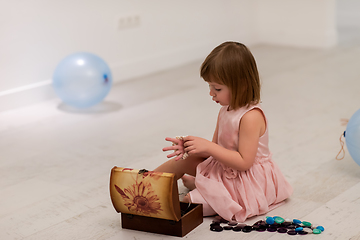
149, 201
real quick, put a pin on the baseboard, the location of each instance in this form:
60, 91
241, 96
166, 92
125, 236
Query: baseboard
309, 40
26, 95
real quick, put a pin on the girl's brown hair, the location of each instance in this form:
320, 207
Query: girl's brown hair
232, 64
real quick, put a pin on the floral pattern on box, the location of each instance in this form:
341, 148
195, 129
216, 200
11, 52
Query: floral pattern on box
144, 193
140, 198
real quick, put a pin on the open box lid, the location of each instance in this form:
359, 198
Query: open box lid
145, 193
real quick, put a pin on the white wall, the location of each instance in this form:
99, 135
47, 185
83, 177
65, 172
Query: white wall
301, 23
36, 34
348, 15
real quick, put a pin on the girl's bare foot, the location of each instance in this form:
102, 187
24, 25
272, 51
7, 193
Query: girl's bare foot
189, 182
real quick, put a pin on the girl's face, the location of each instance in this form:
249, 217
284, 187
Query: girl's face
220, 93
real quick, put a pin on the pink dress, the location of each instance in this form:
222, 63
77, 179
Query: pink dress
238, 195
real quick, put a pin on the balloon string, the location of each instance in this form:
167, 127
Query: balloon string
342, 148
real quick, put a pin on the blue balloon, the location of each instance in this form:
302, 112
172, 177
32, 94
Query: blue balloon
82, 80
352, 136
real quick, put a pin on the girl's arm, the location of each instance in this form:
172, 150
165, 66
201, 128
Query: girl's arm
252, 127
215, 136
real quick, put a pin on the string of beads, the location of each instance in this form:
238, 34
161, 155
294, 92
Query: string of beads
270, 224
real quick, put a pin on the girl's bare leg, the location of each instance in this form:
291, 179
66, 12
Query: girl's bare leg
181, 167
189, 182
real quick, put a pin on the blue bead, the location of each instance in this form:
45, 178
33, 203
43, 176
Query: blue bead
298, 229
296, 221
320, 228
270, 220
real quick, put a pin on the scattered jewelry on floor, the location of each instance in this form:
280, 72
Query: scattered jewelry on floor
270, 224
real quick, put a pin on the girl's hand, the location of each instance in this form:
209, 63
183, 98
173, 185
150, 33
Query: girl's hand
177, 147
196, 145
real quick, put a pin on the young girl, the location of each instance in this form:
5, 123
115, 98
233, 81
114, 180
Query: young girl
235, 176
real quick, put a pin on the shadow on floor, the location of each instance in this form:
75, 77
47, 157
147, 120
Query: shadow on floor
103, 107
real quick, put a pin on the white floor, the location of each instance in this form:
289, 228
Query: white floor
55, 161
